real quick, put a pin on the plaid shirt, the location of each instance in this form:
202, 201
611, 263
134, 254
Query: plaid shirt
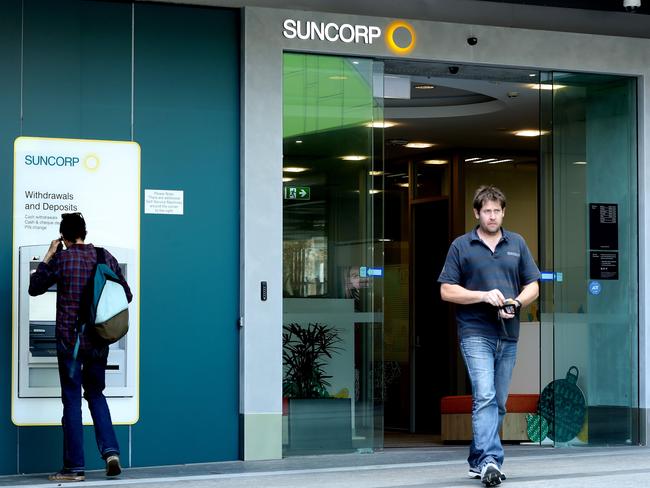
70, 270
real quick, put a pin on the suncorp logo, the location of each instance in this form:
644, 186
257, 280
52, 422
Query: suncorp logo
307, 29
399, 35
51, 160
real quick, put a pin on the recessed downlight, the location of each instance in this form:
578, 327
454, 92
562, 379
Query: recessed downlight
294, 169
530, 133
545, 86
436, 162
424, 86
353, 157
419, 145
381, 124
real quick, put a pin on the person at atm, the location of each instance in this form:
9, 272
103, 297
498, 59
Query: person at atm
70, 269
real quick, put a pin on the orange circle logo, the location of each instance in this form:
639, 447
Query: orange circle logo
400, 37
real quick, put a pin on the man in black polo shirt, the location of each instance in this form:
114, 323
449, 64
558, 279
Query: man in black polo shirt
490, 274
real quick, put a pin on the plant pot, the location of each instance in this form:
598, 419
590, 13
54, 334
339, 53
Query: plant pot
320, 425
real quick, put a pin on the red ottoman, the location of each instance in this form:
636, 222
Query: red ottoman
456, 416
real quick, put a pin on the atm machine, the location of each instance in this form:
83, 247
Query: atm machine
38, 376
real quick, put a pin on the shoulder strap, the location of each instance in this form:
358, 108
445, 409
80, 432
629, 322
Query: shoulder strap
101, 255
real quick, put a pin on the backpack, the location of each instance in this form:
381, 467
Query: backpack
108, 307
104, 309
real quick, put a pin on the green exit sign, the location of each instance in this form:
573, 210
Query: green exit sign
297, 193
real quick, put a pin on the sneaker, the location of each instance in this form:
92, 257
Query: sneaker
475, 473
490, 475
113, 467
65, 475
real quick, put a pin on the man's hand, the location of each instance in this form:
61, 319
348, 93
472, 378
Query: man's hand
510, 304
494, 298
54, 247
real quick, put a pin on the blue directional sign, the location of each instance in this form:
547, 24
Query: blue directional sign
548, 276
375, 272
366, 272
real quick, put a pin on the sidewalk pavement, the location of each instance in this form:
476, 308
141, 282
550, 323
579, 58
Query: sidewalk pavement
444, 466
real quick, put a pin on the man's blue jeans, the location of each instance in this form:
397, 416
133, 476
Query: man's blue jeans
89, 371
489, 362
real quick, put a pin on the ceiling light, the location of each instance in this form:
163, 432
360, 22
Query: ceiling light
469, 160
488, 160
286, 179
532, 75
419, 145
580, 162
501, 161
530, 133
294, 169
353, 157
385, 240
298, 141
436, 161
338, 77
381, 124
545, 86
424, 86
374, 192
355, 62
375, 173
403, 185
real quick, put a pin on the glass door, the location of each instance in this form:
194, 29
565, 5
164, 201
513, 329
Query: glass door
332, 254
589, 302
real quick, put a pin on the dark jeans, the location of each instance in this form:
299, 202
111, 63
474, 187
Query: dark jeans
89, 371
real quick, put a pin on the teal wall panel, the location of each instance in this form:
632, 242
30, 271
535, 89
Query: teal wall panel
77, 82
9, 127
77, 69
187, 123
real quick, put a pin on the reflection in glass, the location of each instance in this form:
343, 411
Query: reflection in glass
332, 216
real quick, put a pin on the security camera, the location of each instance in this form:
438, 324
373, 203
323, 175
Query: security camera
631, 5
472, 41
453, 69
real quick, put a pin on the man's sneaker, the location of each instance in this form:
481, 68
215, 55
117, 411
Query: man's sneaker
475, 473
113, 467
65, 475
490, 475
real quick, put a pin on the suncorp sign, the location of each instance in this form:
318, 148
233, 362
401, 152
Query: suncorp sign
398, 35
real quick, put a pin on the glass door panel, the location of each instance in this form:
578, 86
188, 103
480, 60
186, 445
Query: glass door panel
590, 302
332, 254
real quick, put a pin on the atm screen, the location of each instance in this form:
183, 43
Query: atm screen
43, 307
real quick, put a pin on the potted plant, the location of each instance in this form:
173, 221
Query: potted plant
317, 421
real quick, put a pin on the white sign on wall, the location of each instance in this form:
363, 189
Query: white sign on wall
100, 179
169, 202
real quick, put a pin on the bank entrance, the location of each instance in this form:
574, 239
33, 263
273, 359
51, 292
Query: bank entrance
381, 159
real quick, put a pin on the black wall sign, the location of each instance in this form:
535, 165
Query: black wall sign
603, 226
603, 265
